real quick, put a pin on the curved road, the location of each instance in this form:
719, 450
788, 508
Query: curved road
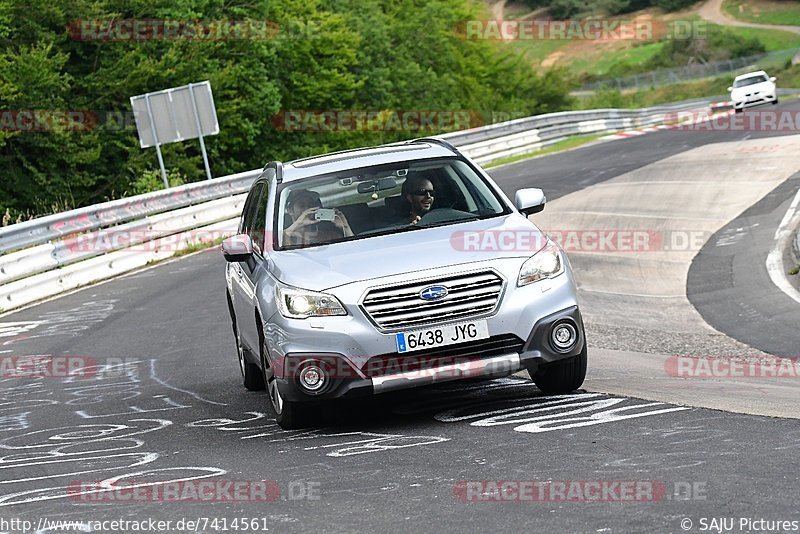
161, 401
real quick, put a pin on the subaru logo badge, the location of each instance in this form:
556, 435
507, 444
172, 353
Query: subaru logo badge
433, 293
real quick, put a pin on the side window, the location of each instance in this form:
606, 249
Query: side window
249, 209
258, 229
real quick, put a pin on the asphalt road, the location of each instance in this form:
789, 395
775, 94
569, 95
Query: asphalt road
161, 401
731, 269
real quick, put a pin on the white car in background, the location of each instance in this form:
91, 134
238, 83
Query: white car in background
752, 89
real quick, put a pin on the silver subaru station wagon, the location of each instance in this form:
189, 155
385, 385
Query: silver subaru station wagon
378, 269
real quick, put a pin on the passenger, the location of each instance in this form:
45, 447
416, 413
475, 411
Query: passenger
301, 207
418, 192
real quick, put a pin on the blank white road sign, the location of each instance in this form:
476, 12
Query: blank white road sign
173, 114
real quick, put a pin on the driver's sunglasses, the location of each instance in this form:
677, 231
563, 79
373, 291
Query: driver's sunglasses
423, 192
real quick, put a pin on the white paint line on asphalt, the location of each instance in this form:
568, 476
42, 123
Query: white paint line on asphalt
783, 234
788, 216
195, 395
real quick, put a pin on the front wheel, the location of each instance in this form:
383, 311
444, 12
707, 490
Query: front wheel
775, 102
563, 376
289, 415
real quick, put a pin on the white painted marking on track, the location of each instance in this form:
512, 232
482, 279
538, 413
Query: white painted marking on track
193, 394
17, 328
783, 235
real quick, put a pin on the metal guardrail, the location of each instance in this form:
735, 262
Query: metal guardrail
75, 248
524, 135
44, 229
40, 257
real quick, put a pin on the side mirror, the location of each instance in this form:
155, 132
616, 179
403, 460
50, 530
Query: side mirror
529, 201
772, 79
237, 248
730, 89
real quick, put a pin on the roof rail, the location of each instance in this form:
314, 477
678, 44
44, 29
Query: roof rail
435, 141
278, 167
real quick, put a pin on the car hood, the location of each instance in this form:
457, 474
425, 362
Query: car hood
326, 267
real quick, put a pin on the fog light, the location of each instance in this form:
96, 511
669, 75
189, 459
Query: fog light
564, 336
312, 377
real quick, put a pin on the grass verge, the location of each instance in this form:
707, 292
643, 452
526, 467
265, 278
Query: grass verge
764, 11
200, 245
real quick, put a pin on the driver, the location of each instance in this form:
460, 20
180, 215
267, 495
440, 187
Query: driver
419, 194
302, 206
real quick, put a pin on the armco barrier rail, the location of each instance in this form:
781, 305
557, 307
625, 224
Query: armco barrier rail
44, 229
47, 256
528, 134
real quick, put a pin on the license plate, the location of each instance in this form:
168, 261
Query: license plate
441, 336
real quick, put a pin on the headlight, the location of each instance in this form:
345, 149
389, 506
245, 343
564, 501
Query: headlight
301, 304
547, 263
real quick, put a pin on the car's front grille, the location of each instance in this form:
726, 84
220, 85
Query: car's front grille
395, 362
402, 306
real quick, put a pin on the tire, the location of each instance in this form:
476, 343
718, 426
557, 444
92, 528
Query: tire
738, 110
775, 102
563, 376
289, 415
252, 378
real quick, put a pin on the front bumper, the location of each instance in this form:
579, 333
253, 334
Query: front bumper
518, 328
346, 381
757, 100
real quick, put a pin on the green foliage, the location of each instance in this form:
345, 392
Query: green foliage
719, 45
151, 180
327, 55
605, 98
783, 12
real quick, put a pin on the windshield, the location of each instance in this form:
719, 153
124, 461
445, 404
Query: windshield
750, 81
371, 201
